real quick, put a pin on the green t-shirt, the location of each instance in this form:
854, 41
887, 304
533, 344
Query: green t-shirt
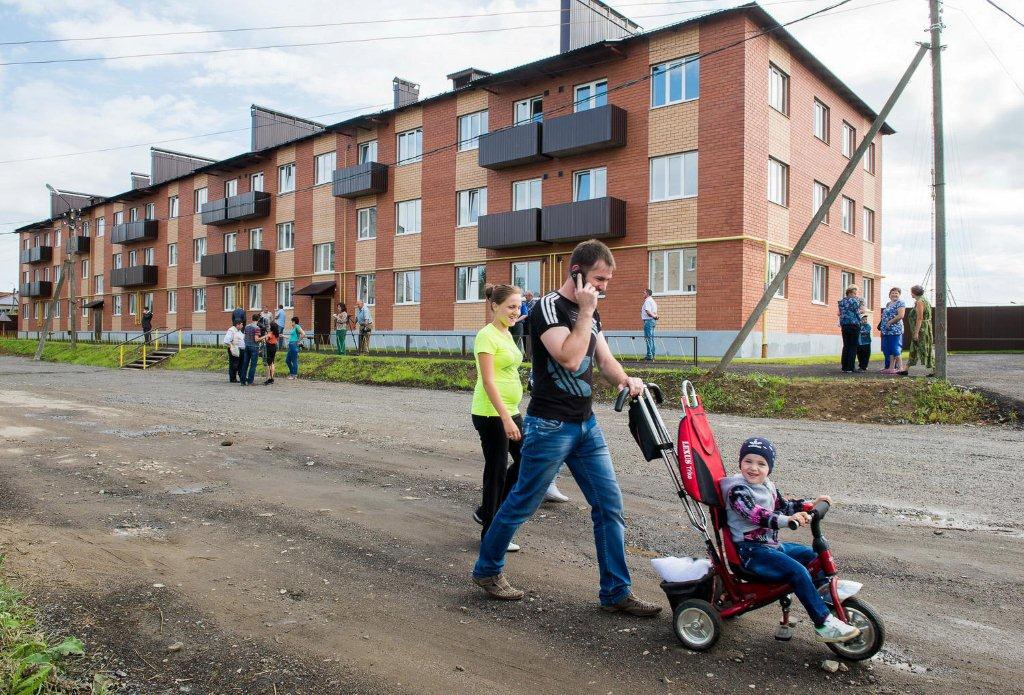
507, 358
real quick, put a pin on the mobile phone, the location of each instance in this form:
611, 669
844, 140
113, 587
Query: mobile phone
575, 272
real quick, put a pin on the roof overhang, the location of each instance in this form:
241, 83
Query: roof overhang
318, 288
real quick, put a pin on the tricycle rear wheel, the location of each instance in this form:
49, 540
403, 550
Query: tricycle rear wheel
872, 631
697, 624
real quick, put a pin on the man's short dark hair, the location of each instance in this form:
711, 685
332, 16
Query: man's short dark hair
587, 254
255, 317
649, 291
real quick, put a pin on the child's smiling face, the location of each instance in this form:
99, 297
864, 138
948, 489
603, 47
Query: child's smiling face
754, 468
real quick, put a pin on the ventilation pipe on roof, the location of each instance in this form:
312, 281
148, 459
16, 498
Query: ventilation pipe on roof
464, 77
139, 180
405, 92
584, 22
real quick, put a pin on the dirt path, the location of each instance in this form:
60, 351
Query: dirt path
327, 550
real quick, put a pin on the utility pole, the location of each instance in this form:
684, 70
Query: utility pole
939, 189
67, 274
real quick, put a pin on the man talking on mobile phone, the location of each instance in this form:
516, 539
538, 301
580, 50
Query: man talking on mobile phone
565, 329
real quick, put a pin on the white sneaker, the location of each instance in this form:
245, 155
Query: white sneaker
513, 548
553, 494
835, 630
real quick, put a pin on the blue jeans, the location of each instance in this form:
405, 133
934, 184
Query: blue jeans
292, 358
247, 370
546, 444
649, 337
892, 347
786, 563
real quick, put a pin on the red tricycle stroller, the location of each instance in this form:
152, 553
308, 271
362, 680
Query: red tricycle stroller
726, 591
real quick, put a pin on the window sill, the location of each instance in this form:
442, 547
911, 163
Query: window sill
673, 103
467, 226
469, 301
322, 183
665, 200
408, 162
323, 272
470, 149
781, 205
285, 250
366, 238
407, 303
676, 294
408, 233
851, 233
822, 141
817, 303
199, 312
778, 111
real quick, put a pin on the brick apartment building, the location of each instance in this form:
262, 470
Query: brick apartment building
700, 174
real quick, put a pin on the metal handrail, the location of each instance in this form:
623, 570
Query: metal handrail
142, 348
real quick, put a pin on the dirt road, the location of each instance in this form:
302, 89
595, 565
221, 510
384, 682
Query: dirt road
328, 548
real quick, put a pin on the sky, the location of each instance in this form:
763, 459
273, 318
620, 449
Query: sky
200, 103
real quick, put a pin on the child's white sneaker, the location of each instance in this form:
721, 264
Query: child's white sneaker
553, 494
835, 630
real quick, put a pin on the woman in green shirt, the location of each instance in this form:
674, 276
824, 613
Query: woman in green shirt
922, 342
496, 397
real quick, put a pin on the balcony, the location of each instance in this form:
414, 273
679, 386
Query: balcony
37, 254
79, 244
507, 230
134, 232
511, 147
600, 218
368, 178
235, 263
135, 276
235, 208
585, 131
38, 289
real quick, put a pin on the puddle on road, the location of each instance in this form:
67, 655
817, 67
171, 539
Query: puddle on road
139, 531
190, 489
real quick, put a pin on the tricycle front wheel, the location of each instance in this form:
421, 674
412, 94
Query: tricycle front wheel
872, 631
697, 624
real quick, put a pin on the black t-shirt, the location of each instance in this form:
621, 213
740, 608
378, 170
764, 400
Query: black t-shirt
557, 393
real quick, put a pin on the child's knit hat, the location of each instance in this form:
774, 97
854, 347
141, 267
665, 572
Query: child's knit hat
761, 447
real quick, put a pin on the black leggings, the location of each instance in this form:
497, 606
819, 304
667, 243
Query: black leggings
851, 337
499, 477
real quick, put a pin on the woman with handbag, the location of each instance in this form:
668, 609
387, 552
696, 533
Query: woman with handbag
234, 340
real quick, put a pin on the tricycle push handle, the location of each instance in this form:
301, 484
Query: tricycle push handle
620, 401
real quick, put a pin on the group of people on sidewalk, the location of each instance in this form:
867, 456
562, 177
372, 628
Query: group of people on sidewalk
261, 338
344, 323
855, 324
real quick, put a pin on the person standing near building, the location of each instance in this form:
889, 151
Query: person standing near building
922, 341
234, 340
282, 324
560, 426
850, 308
341, 321
364, 319
147, 324
270, 341
649, 316
294, 340
238, 315
250, 357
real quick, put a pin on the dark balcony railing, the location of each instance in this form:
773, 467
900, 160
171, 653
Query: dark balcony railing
79, 244
232, 263
600, 218
367, 178
37, 254
39, 289
506, 230
135, 276
511, 147
133, 232
246, 206
585, 131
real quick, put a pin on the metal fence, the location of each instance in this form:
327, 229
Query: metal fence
986, 328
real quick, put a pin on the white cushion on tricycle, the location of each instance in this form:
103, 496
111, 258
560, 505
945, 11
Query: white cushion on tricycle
681, 569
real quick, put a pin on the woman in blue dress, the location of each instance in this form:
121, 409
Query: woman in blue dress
891, 327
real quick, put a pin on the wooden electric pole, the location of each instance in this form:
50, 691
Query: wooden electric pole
67, 274
939, 188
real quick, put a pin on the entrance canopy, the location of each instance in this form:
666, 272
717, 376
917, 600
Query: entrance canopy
94, 304
318, 288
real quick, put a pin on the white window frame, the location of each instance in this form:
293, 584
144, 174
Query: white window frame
198, 248
685, 261
590, 102
115, 305
471, 127
822, 120
846, 278
470, 281
198, 300
172, 301
407, 282
200, 197
117, 260
97, 283
523, 274
470, 205
666, 73
150, 211
286, 178
148, 256
230, 300
366, 288
819, 284
848, 212
173, 207
408, 217
323, 167
285, 237
410, 147
867, 286
133, 214
230, 242
527, 194
85, 268
778, 89
101, 226
256, 181
231, 188
775, 261
849, 140
869, 159
778, 182
367, 152
133, 304
172, 255
255, 293
366, 223
867, 223
285, 290
323, 257
133, 258
819, 192
525, 110
673, 176
118, 218
597, 183
256, 238
85, 229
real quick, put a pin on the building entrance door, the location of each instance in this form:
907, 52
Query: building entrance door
97, 323
322, 320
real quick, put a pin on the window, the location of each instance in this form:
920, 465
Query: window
778, 182
591, 95
116, 302
675, 81
368, 151
57, 237
821, 121
229, 297
133, 258
284, 294
230, 242
471, 127
526, 276
868, 224
673, 271
255, 296
256, 238
408, 215
470, 281
199, 300
101, 226
133, 215
323, 258
118, 260
286, 178
172, 207
172, 301
256, 181
201, 197
471, 204
849, 139
366, 223
820, 192
410, 146
869, 159
85, 228
819, 284
846, 279
366, 289
589, 184
325, 164
118, 217
778, 89
847, 210
198, 249
868, 291
148, 256
56, 308
150, 211
775, 261
407, 287
674, 176
230, 188
85, 268
133, 304
526, 194
527, 110
285, 237
46, 274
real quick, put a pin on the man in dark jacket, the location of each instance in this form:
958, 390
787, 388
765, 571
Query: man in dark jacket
147, 323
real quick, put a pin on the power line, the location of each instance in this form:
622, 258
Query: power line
991, 50
1017, 21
